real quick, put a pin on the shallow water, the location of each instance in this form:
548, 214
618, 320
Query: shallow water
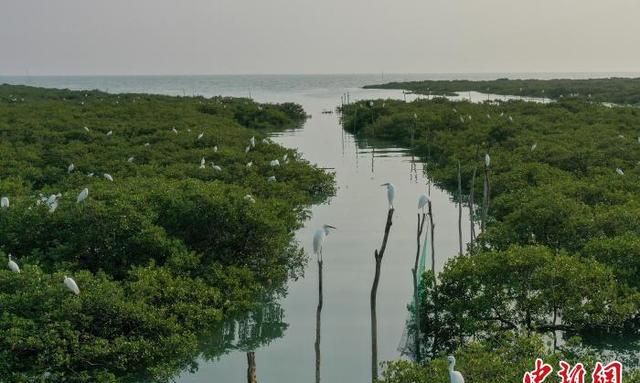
358, 211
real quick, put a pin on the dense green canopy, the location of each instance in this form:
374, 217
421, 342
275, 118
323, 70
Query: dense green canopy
613, 90
560, 251
167, 254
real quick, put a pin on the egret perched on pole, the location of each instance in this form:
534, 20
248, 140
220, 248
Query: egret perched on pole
391, 193
71, 285
454, 376
13, 266
83, 195
318, 239
423, 200
4, 202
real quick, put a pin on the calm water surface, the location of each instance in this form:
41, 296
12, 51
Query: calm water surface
358, 211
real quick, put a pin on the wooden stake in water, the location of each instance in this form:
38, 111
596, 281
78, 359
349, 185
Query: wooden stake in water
459, 208
318, 318
378, 254
472, 231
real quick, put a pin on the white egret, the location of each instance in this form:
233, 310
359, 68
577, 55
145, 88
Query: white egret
216, 167
215, 149
85, 128
90, 175
252, 141
272, 179
202, 163
619, 171
275, 163
174, 130
319, 237
246, 150
71, 285
469, 117
423, 200
130, 159
391, 193
13, 266
200, 135
4, 202
462, 119
83, 195
70, 168
265, 140
510, 119
249, 198
146, 144
109, 132
284, 158
487, 160
249, 164
108, 176
533, 147
454, 376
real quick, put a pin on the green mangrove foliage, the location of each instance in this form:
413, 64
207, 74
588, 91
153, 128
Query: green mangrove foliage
185, 227
621, 91
560, 251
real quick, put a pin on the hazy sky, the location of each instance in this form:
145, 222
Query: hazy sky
317, 36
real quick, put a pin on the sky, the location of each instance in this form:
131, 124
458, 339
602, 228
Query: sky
137, 37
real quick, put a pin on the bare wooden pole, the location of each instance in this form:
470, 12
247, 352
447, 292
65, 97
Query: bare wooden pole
251, 367
378, 254
487, 193
416, 298
459, 208
471, 206
318, 317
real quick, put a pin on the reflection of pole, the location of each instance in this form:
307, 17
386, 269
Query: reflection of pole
318, 313
251, 367
374, 291
416, 298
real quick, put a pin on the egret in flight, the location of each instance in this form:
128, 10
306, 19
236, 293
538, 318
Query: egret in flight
423, 200
454, 376
13, 266
4, 202
391, 193
318, 239
71, 285
83, 195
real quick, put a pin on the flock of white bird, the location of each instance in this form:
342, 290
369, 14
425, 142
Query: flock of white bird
52, 201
